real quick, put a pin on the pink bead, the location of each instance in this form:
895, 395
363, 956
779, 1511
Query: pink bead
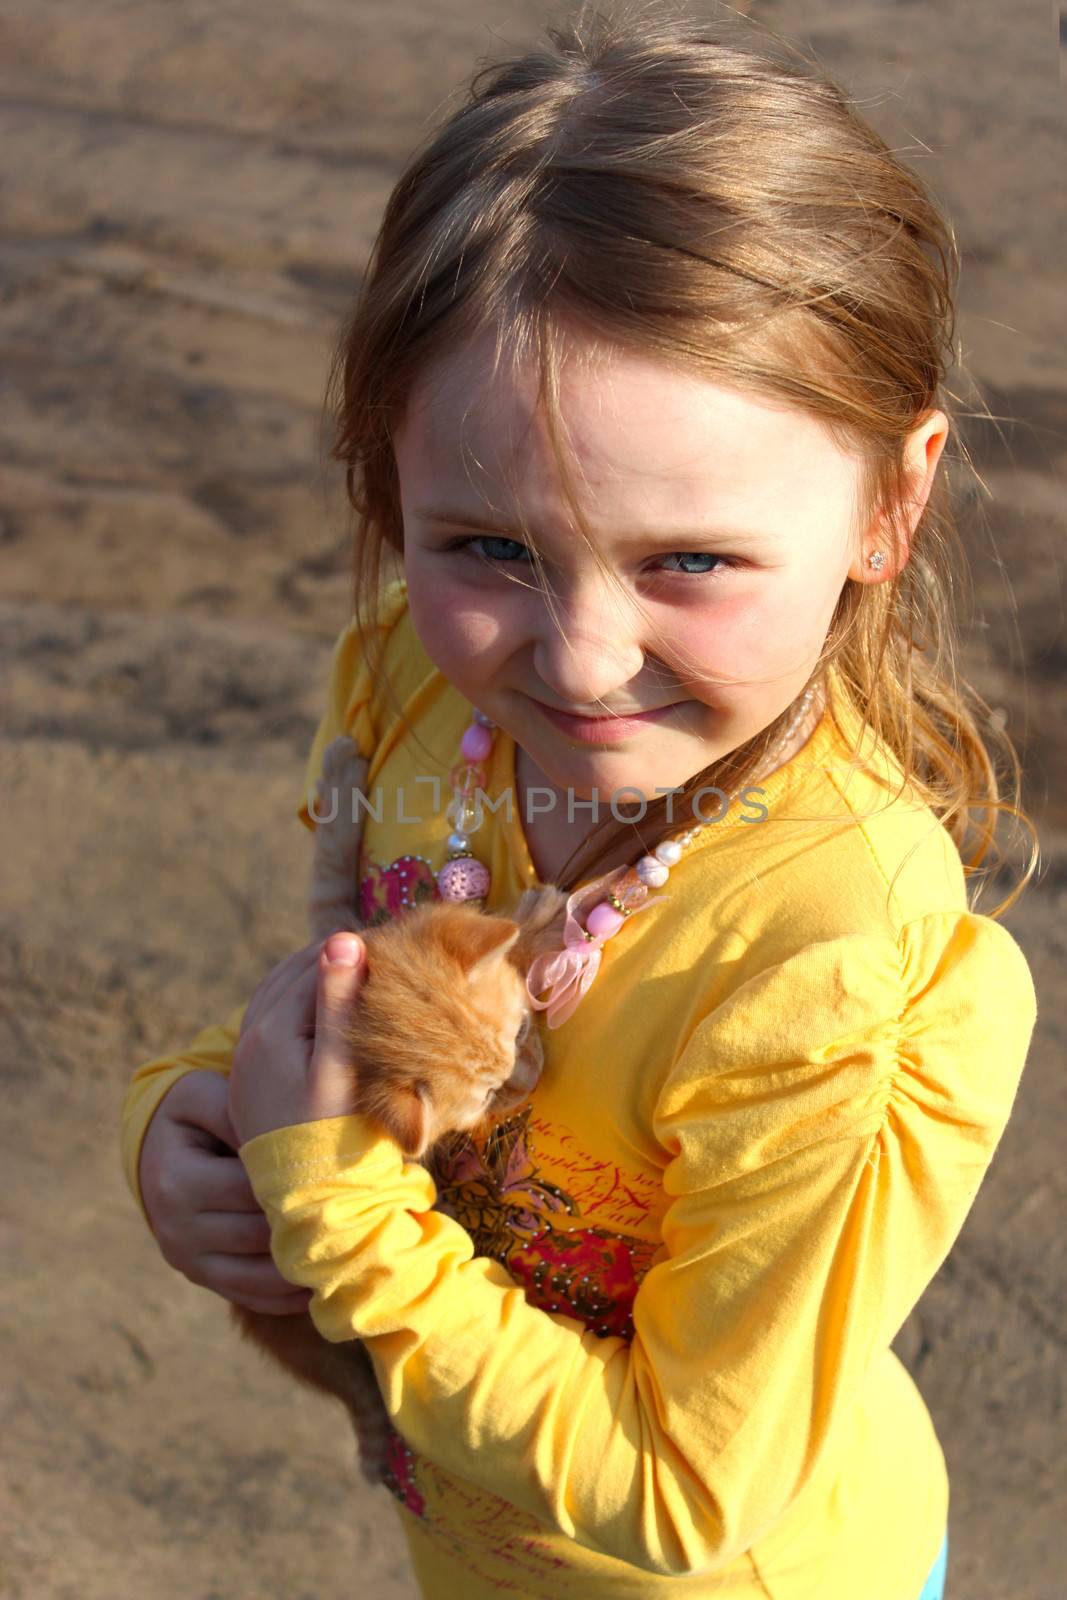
463, 879
604, 920
476, 743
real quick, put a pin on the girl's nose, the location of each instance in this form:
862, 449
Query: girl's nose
592, 656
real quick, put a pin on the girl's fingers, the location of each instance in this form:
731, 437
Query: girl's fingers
233, 1233
277, 981
220, 1183
279, 1075
339, 974
293, 1014
289, 1304
280, 1306
243, 1275
198, 1102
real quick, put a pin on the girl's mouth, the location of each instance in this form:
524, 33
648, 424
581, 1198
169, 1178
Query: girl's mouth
602, 730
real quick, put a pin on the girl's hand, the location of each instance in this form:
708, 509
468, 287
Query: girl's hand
290, 1064
200, 1204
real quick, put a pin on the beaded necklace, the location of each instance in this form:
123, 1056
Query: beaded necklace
595, 912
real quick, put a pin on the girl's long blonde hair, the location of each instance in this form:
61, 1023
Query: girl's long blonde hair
700, 192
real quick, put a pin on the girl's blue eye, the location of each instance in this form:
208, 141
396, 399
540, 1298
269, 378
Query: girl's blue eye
695, 556
488, 538
516, 545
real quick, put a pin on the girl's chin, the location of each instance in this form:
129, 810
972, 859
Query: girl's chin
611, 773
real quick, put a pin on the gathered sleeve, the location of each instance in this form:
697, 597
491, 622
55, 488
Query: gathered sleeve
350, 696
349, 708
824, 1130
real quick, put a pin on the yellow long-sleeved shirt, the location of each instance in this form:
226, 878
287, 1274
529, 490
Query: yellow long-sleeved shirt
639, 1342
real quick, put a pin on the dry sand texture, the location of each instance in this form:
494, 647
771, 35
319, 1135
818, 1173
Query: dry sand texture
189, 192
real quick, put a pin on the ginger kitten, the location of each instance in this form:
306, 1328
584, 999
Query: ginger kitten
445, 1041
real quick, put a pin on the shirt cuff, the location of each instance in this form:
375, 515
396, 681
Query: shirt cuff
287, 1158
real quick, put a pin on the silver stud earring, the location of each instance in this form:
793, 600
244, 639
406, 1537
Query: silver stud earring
876, 560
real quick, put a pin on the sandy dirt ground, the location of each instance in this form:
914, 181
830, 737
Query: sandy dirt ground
189, 194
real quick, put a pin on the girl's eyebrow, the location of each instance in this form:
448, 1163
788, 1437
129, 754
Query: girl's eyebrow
670, 539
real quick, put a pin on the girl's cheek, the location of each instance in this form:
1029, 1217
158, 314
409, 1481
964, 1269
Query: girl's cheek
743, 639
719, 639
456, 626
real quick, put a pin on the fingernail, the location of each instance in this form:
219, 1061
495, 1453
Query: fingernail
343, 950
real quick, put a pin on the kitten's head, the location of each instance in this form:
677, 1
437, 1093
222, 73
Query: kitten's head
443, 1030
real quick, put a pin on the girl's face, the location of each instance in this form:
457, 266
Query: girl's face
729, 519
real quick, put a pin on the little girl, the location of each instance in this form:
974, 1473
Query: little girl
644, 390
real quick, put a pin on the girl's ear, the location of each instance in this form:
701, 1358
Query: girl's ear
923, 452
406, 1117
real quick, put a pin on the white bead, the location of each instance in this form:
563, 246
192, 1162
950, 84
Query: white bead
464, 815
669, 851
652, 872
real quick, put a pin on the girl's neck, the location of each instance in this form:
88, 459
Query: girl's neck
551, 840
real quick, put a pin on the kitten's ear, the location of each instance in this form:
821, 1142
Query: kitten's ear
407, 1118
488, 945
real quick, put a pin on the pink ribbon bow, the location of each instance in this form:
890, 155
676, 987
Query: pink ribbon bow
568, 973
